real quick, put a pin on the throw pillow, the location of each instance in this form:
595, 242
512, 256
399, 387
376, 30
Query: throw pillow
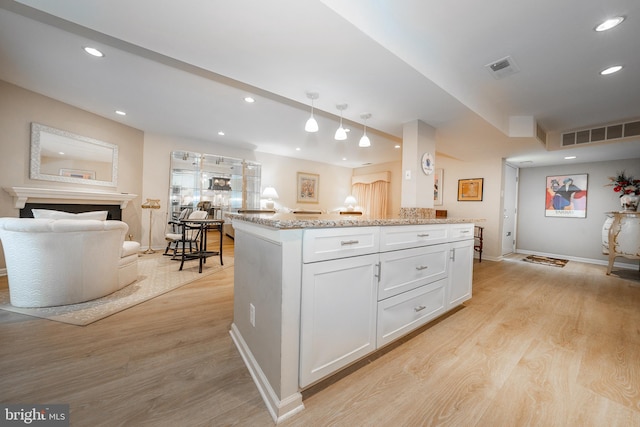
51, 214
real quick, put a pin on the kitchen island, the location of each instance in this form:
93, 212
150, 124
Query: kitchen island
316, 293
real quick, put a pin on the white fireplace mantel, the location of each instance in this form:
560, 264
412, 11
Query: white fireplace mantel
22, 194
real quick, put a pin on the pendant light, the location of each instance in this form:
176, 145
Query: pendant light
364, 141
312, 124
341, 133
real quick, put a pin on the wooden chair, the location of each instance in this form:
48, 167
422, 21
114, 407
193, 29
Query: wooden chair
175, 239
477, 244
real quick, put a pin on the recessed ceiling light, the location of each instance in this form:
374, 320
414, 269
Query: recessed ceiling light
610, 23
611, 70
569, 157
249, 99
396, 146
297, 148
344, 158
93, 51
221, 133
61, 153
121, 113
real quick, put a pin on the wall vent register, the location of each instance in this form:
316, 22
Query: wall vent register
602, 133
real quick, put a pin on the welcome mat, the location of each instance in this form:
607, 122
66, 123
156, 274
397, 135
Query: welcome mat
157, 275
554, 262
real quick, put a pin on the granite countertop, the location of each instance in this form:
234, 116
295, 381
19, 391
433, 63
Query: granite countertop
291, 221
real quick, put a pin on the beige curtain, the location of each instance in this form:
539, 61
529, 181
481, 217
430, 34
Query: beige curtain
371, 192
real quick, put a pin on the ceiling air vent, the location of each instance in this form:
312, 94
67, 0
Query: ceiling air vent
502, 67
602, 133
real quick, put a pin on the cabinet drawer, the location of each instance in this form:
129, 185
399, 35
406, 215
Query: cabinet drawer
326, 244
403, 313
401, 271
461, 232
411, 236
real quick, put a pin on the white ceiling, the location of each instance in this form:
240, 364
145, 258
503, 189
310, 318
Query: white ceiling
182, 69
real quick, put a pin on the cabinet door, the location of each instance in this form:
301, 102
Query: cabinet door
401, 271
338, 315
461, 272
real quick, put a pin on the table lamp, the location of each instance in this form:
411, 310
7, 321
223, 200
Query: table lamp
349, 202
270, 194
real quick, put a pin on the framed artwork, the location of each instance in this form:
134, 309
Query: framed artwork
78, 173
470, 190
308, 187
438, 181
566, 196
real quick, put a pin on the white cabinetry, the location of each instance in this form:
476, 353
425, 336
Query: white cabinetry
338, 299
338, 322
460, 272
364, 287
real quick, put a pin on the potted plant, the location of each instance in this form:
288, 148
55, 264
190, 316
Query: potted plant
629, 189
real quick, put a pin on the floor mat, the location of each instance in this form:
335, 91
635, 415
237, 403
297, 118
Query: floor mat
537, 259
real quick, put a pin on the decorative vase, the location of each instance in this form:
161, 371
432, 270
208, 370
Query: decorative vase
629, 202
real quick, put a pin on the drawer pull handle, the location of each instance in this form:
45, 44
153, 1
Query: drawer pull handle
422, 267
419, 308
423, 235
465, 231
349, 242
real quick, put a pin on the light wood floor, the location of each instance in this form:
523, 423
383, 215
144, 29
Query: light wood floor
536, 346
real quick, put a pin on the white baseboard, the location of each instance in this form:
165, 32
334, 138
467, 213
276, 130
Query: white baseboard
279, 409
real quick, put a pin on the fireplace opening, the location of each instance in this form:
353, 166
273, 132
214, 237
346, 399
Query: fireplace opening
114, 211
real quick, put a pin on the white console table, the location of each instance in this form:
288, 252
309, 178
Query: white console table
621, 236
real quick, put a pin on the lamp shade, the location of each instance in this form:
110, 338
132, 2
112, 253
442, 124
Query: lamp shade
151, 204
349, 202
311, 125
341, 134
269, 193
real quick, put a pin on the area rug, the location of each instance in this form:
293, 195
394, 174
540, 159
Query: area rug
554, 262
157, 275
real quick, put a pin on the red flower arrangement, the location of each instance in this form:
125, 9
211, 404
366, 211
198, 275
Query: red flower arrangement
625, 184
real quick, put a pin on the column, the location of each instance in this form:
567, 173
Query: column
418, 139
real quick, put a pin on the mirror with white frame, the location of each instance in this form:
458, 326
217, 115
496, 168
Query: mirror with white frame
62, 156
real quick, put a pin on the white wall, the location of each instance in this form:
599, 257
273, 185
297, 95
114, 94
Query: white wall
489, 209
281, 172
578, 238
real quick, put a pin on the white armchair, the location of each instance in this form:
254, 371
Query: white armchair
66, 261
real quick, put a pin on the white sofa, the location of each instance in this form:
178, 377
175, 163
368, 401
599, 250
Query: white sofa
66, 261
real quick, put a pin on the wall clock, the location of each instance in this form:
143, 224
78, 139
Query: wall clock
427, 163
